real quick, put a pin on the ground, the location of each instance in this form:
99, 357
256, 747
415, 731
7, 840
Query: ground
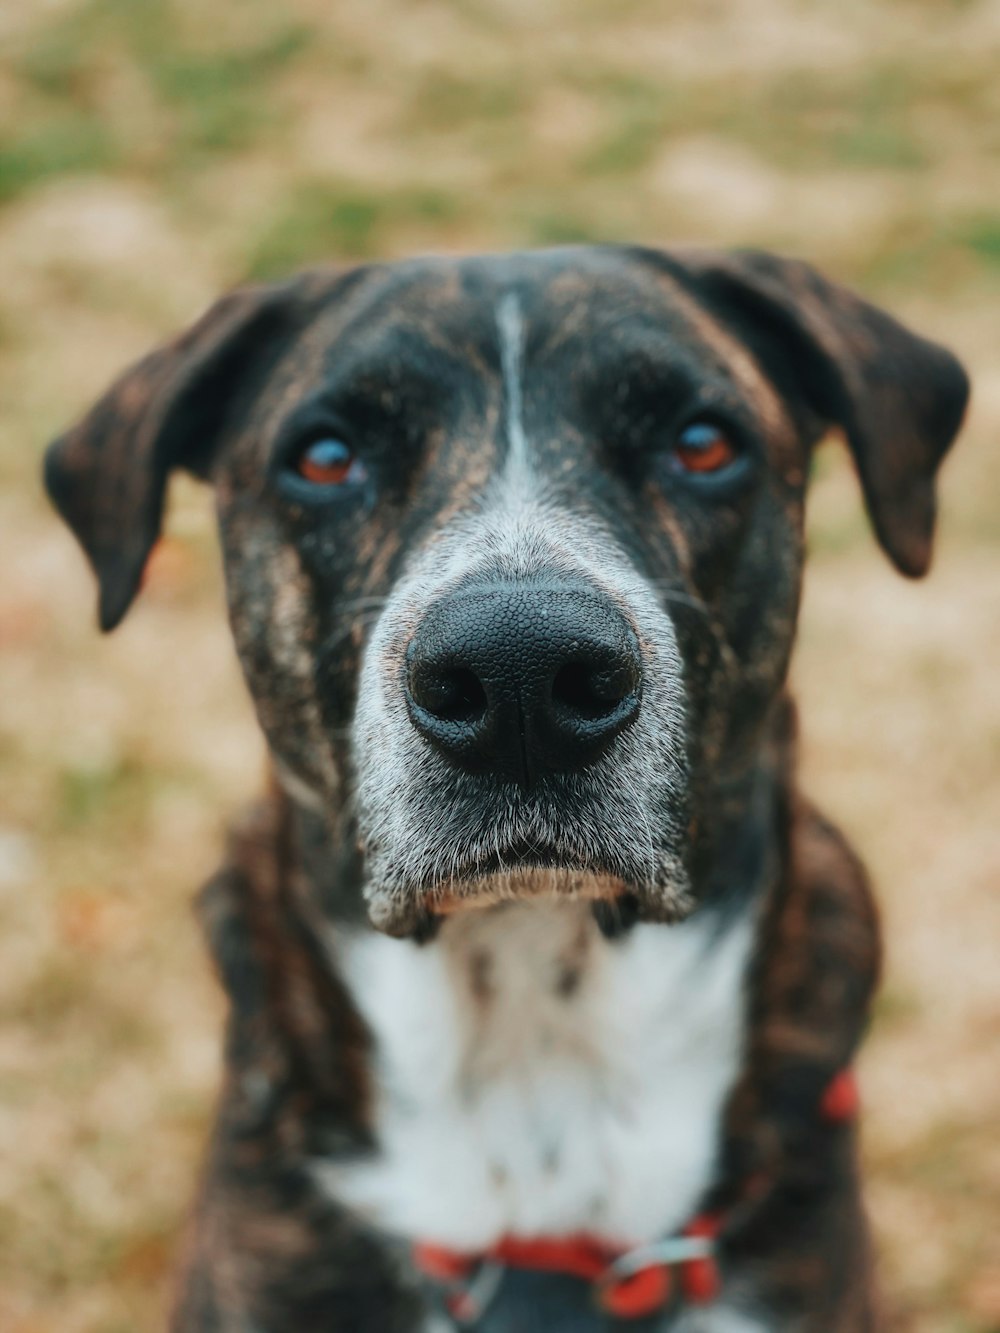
152, 154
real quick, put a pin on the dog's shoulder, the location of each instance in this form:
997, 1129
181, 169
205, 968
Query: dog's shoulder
294, 1038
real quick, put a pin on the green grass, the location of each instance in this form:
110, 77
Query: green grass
981, 237
67, 145
184, 103
224, 101
324, 220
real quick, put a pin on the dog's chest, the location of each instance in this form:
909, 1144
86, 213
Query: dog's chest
534, 1078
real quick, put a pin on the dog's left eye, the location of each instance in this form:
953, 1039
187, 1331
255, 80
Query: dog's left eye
703, 448
328, 462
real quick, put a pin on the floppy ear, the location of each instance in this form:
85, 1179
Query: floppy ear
108, 476
898, 398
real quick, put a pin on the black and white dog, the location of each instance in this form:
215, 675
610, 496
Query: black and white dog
545, 981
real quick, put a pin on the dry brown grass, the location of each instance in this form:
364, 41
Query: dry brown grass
151, 154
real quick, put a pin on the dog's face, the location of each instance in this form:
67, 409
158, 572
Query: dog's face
513, 545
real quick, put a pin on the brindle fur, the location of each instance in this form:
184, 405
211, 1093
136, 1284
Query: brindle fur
410, 350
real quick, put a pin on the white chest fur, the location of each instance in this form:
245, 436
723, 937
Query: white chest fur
534, 1078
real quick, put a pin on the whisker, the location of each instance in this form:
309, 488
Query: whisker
334, 640
669, 592
359, 603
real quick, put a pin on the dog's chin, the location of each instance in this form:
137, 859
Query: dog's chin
617, 904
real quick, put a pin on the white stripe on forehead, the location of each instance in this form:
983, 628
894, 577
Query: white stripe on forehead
510, 327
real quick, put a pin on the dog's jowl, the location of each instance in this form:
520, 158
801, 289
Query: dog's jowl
545, 981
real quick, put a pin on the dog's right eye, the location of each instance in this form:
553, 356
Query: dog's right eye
703, 449
327, 462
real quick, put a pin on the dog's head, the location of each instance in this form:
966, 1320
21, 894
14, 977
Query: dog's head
513, 545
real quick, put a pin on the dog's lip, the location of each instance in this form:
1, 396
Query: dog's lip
511, 875
522, 883
614, 907
521, 875
501, 881
521, 870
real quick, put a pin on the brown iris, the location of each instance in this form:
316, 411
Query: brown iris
326, 463
704, 447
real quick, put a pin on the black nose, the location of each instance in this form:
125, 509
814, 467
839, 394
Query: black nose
520, 679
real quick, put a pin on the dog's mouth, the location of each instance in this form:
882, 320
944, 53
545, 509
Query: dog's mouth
524, 873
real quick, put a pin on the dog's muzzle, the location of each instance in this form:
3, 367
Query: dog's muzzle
520, 731
520, 680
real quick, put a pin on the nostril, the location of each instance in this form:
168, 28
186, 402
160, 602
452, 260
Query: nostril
451, 695
592, 692
520, 680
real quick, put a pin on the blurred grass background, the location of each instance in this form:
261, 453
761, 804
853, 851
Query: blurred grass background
153, 153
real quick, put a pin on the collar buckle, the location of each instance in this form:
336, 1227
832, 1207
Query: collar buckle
640, 1281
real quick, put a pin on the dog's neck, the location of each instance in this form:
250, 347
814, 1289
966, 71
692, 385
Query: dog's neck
535, 1078
562, 1081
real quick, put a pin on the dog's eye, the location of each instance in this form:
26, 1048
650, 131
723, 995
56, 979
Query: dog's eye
328, 462
702, 447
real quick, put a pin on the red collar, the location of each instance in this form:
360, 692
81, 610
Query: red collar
627, 1283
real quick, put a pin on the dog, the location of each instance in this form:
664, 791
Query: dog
545, 981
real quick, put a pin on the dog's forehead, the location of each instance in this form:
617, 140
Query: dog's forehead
582, 312
576, 296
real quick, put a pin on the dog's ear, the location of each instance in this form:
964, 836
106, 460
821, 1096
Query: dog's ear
898, 398
108, 476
